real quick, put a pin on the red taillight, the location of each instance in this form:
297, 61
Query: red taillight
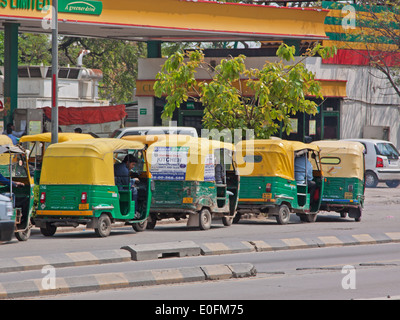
43, 197
84, 197
379, 162
268, 187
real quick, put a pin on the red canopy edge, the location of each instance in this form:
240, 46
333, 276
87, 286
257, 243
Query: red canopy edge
87, 115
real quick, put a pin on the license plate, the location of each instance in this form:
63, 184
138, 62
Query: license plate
267, 196
83, 206
187, 200
348, 195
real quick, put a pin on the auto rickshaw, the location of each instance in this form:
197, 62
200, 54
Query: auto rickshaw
344, 168
40, 142
193, 177
267, 177
77, 186
16, 202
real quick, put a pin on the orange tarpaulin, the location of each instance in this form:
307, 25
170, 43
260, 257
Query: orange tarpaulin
87, 115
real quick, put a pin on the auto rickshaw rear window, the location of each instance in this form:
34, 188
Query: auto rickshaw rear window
251, 158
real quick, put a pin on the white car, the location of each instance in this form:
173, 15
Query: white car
140, 131
382, 163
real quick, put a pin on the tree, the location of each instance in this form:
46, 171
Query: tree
276, 91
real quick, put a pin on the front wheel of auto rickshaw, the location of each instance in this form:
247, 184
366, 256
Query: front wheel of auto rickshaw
227, 221
151, 221
205, 219
140, 226
49, 230
237, 217
283, 216
310, 217
103, 226
23, 235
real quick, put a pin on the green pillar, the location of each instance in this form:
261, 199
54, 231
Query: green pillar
153, 49
10, 71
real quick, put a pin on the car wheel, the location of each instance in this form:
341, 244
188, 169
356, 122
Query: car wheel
371, 180
393, 183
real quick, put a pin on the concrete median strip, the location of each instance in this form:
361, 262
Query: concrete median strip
37, 287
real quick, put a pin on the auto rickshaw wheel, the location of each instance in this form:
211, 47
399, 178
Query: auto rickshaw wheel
140, 226
23, 235
103, 226
49, 230
237, 217
283, 216
151, 221
227, 221
205, 219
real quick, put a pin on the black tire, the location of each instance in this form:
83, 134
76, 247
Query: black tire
23, 235
103, 228
355, 213
49, 230
371, 180
237, 217
205, 219
140, 226
310, 217
393, 183
283, 216
227, 221
151, 221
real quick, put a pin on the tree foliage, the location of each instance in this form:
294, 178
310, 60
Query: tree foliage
278, 90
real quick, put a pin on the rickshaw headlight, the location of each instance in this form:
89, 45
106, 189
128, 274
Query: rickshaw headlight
43, 197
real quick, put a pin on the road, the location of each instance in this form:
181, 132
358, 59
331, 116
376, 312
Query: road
314, 273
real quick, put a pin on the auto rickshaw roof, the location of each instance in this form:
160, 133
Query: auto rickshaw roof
83, 162
340, 158
62, 137
271, 157
5, 140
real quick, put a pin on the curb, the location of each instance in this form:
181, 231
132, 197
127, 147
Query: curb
39, 287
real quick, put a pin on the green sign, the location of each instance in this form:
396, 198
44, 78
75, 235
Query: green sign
80, 6
143, 111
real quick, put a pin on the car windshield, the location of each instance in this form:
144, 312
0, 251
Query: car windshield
388, 150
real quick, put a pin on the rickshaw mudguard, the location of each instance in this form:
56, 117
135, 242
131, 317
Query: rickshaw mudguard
6, 230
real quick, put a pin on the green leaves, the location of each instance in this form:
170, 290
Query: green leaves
236, 97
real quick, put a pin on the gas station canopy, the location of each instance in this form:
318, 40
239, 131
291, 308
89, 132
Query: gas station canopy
166, 20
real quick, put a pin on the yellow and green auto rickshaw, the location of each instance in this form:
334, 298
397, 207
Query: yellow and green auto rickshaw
77, 186
16, 192
344, 168
193, 177
267, 178
38, 143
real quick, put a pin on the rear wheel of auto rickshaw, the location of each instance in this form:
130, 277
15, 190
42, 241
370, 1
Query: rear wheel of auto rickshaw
283, 216
227, 221
103, 226
48, 230
355, 213
205, 219
140, 226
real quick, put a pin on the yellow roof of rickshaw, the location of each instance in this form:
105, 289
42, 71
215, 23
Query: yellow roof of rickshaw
275, 157
5, 140
146, 139
198, 150
83, 162
62, 137
341, 158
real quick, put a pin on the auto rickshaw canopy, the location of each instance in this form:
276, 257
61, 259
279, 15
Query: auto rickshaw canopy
340, 158
62, 137
84, 161
197, 154
269, 157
